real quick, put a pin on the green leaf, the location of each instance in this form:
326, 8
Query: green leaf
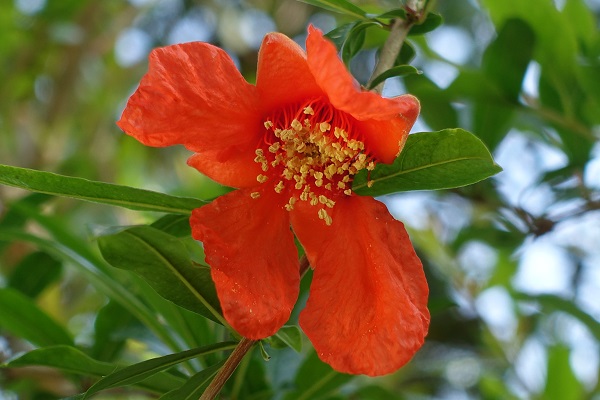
431, 22
339, 35
551, 302
163, 261
400, 70
34, 273
397, 13
98, 192
354, 42
436, 109
315, 379
21, 316
339, 6
138, 372
431, 160
407, 53
195, 386
506, 64
287, 336
72, 360
111, 325
561, 382
174, 224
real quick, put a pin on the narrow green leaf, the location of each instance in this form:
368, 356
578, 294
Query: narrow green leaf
315, 379
287, 336
436, 107
111, 325
34, 273
163, 261
21, 316
561, 382
504, 66
353, 43
339, 35
551, 302
431, 160
407, 53
138, 372
98, 192
431, 22
339, 6
73, 360
174, 224
195, 386
397, 13
400, 70
96, 271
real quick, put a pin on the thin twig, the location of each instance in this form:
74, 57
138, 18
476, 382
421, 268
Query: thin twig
238, 354
228, 368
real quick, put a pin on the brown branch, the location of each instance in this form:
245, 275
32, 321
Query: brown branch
238, 354
227, 370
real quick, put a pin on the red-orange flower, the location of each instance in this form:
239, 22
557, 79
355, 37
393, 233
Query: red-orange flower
292, 145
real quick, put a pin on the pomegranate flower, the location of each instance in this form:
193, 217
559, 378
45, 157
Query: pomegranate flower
292, 144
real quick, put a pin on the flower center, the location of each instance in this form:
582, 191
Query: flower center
310, 154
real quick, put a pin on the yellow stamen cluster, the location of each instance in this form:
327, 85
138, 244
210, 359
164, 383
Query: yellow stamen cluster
316, 159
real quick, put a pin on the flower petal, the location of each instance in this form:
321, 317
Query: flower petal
367, 309
385, 139
283, 76
253, 259
384, 122
229, 167
193, 95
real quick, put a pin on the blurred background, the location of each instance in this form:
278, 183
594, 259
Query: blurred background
513, 262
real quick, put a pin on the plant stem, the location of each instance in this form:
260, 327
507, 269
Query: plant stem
389, 51
238, 354
227, 370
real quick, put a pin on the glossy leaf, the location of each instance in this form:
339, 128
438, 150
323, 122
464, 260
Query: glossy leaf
174, 224
431, 22
431, 160
22, 317
397, 13
162, 261
34, 273
339, 35
400, 70
72, 360
287, 336
407, 53
316, 380
195, 386
339, 6
98, 192
138, 372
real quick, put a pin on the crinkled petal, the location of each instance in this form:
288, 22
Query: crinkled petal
193, 95
253, 259
231, 168
385, 139
367, 308
385, 121
283, 76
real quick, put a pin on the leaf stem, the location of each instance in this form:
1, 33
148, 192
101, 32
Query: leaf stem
238, 354
227, 370
389, 51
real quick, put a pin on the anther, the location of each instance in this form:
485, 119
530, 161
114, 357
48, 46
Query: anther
261, 178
